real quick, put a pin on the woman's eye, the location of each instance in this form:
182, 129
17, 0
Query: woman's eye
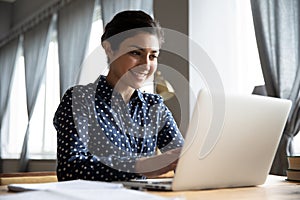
153, 56
135, 53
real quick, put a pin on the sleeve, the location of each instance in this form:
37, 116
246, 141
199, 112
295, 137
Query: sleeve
74, 160
169, 136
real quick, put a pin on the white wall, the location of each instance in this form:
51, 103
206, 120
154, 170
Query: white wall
224, 30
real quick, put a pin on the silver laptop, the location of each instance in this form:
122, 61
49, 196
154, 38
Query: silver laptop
231, 142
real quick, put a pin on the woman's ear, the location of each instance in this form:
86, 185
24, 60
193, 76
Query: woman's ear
107, 47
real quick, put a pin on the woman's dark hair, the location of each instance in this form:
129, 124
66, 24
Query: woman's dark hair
129, 23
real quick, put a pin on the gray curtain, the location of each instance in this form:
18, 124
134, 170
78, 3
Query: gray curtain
276, 25
36, 43
7, 64
74, 26
111, 7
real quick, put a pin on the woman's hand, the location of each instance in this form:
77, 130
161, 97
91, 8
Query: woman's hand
159, 164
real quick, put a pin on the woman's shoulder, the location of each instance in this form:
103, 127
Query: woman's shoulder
81, 90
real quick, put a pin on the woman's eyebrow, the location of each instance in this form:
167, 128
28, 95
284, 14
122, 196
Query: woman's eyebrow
143, 49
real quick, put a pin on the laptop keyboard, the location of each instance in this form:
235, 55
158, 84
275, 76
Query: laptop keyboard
154, 181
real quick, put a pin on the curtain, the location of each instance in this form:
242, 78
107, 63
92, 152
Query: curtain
277, 26
36, 43
74, 26
111, 7
7, 63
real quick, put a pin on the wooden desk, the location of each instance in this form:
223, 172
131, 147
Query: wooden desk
275, 188
28, 177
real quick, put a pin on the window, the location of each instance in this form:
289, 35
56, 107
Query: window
16, 112
42, 140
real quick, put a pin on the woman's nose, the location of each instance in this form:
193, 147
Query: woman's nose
146, 62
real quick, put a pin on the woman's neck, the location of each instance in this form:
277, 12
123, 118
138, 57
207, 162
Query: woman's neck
124, 90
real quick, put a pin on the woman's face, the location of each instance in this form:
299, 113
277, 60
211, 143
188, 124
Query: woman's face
135, 60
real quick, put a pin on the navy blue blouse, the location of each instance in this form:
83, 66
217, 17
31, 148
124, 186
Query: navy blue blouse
99, 136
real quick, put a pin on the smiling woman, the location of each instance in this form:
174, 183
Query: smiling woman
110, 130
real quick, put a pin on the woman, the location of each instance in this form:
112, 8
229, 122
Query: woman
109, 130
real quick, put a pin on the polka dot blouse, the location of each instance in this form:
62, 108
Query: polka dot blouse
99, 136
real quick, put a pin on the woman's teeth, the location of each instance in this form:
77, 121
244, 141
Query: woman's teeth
140, 74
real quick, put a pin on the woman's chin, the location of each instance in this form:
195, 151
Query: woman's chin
136, 83
136, 86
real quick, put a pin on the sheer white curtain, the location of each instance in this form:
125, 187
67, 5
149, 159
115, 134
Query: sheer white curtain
277, 32
36, 43
7, 62
95, 62
74, 26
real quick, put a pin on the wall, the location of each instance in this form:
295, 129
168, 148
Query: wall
213, 28
173, 14
5, 18
24, 9
14, 14
224, 30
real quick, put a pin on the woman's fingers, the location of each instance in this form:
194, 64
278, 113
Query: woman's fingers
157, 165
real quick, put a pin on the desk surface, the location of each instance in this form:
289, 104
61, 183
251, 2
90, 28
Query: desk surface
275, 188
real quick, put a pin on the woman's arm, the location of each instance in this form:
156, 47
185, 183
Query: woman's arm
169, 136
169, 141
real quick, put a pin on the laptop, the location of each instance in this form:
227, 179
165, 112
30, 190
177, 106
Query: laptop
231, 141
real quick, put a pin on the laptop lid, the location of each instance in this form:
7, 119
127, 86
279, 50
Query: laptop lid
233, 145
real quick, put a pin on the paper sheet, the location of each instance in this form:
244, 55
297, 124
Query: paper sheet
78, 190
75, 185
86, 194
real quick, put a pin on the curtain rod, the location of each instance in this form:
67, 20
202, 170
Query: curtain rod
33, 21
